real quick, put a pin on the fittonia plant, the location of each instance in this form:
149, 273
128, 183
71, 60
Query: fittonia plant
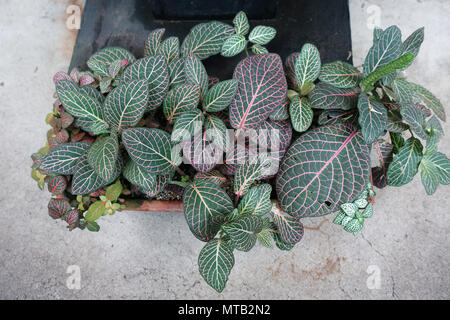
134, 128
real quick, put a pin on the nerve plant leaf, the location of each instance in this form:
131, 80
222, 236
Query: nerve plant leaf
58, 207
154, 70
429, 175
290, 70
442, 163
139, 176
188, 124
243, 231
262, 35
325, 96
100, 61
125, 105
85, 180
405, 163
415, 117
176, 72
413, 42
220, 96
215, 262
261, 88
404, 91
63, 158
57, 184
204, 205
206, 39
216, 131
240, 22
246, 174
102, 156
153, 41
384, 152
385, 49
372, 118
301, 114
233, 45
280, 112
307, 65
322, 169
289, 227
259, 49
169, 49
212, 176
195, 73
340, 74
179, 99
429, 100
257, 201
202, 154
150, 148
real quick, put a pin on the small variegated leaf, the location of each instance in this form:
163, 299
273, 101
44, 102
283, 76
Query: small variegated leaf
256, 201
325, 96
195, 73
372, 118
85, 180
95, 211
153, 41
114, 68
103, 155
215, 262
259, 49
395, 122
216, 131
220, 96
58, 208
113, 192
243, 231
301, 114
149, 148
405, 163
354, 226
125, 105
384, 151
63, 158
179, 99
57, 184
100, 61
169, 49
206, 39
340, 74
429, 100
289, 228
280, 112
413, 42
246, 174
262, 34
240, 22
204, 205
188, 124
233, 45
290, 70
429, 175
176, 72
442, 163
404, 91
212, 176
139, 176
201, 153
415, 117
307, 65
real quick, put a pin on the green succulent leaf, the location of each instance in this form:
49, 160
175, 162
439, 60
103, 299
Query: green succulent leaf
262, 35
325, 96
179, 99
372, 118
153, 41
206, 39
125, 105
220, 95
243, 231
256, 201
240, 22
385, 49
154, 70
289, 227
405, 163
259, 49
187, 125
63, 159
301, 114
340, 74
233, 45
215, 262
103, 155
195, 73
205, 204
99, 62
429, 100
169, 49
307, 65
150, 148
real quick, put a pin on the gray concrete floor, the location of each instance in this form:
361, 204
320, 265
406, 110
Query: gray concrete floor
153, 255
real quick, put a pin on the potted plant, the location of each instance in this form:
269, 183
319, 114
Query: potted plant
244, 158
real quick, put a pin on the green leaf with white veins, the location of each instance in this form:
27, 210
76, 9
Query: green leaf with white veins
215, 262
176, 72
169, 49
415, 117
102, 156
179, 99
413, 42
429, 175
206, 39
243, 231
63, 158
442, 163
301, 113
139, 176
220, 95
289, 227
246, 174
385, 49
429, 100
372, 118
405, 163
240, 22
233, 45
153, 41
404, 91
340, 74
307, 65
216, 131
262, 35
195, 73
125, 105
256, 201
187, 125
99, 62
259, 49
150, 148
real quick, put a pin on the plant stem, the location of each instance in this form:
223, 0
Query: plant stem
246, 51
181, 172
